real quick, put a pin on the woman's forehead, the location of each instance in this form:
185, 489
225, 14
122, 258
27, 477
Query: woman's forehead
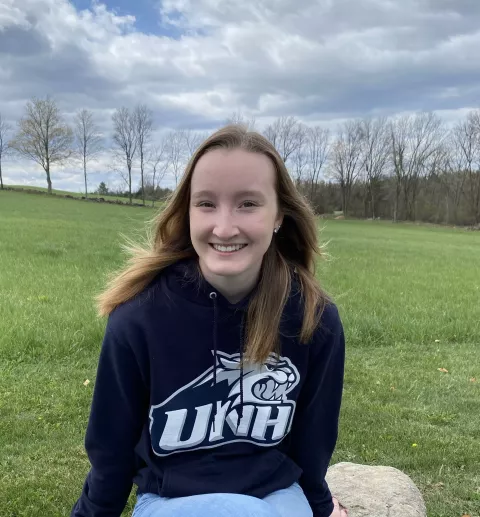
233, 171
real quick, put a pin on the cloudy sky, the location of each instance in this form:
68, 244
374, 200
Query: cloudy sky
194, 62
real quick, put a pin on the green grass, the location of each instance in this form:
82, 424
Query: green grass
409, 299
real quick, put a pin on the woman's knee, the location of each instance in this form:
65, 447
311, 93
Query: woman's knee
290, 501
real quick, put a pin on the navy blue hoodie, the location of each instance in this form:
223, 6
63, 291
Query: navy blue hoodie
173, 413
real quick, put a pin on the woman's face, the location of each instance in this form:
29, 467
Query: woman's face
233, 212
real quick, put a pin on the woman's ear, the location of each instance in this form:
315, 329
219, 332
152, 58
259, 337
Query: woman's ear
278, 223
279, 220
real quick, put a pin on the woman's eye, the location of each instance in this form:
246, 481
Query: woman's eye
205, 204
248, 204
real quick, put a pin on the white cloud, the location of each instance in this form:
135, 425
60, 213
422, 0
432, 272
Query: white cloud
322, 60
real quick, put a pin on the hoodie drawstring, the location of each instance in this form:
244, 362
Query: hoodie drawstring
242, 342
213, 297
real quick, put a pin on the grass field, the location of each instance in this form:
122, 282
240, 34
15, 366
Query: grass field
409, 299
45, 189
76, 194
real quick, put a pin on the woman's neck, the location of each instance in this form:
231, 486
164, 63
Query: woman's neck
233, 288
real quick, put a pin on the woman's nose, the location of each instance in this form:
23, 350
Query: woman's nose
225, 227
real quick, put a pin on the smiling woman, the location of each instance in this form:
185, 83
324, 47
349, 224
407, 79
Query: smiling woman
220, 378
231, 228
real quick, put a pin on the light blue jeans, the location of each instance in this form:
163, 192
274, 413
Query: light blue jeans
282, 503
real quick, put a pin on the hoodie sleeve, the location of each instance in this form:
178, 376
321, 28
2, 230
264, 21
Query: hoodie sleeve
315, 425
117, 415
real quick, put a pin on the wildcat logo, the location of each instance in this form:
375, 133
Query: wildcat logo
201, 415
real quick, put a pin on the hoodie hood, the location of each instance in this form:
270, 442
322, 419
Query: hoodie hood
186, 279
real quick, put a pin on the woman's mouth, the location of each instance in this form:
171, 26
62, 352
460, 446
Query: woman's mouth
228, 249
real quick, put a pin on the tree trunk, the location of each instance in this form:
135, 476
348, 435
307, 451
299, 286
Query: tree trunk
455, 213
85, 174
365, 202
397, 197
130, 183
143, 187
344, 200
49, 182
405, 200
1, 179
313, 188
373, 202
415, 190
153, 186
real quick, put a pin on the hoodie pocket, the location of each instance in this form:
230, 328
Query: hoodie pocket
222, 474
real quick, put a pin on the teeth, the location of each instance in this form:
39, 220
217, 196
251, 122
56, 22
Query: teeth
228, 248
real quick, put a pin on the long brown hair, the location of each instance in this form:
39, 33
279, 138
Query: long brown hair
292, 251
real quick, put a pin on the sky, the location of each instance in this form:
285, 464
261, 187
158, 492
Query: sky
195, 62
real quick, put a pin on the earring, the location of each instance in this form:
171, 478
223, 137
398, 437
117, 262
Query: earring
276, 229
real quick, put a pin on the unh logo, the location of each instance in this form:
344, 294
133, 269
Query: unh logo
185, 420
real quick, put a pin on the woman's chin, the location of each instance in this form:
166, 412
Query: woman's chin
226, 269
225, 266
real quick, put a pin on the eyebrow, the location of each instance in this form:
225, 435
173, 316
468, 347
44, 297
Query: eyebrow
243, 193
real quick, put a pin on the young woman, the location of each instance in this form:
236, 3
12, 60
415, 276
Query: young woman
220, 376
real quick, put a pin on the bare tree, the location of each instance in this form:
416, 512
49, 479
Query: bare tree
466, 135
160, 164
474, 118
399, 138
300, 156
5, 149
144, 127
285, 135
318, 148
375, 152
347, 159
237, 117
439, 182
451, 177
87, 139
192, 140
415, 140
126, 141
43, 136
176, 152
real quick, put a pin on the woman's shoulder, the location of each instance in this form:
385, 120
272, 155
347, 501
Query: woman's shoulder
330, 318
330, 326
135, 308
326, 309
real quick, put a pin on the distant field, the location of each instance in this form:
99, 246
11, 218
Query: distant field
79, 194
409, 299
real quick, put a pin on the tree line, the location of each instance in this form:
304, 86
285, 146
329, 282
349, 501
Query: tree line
410, 167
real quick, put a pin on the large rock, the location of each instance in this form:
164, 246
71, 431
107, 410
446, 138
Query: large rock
375, 491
